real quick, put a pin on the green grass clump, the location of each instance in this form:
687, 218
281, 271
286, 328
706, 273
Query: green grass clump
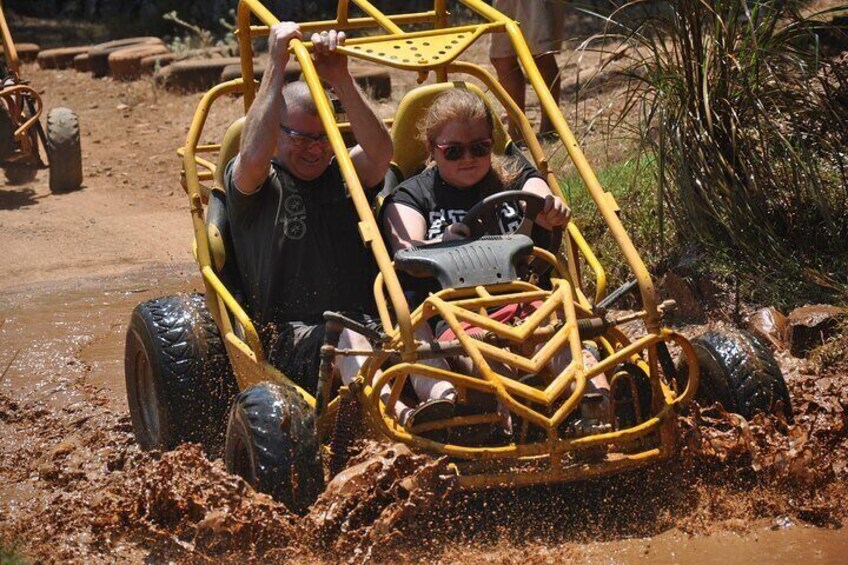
748, 121
8, 556
633, 183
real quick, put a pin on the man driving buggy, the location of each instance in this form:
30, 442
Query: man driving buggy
294, 226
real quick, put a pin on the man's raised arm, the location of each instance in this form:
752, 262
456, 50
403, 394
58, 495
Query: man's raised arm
262, 125
372, 156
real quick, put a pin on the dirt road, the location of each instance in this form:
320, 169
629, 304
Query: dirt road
74, 487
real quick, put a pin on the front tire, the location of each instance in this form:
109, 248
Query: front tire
273, 445
740, 373
178, 378
64, 150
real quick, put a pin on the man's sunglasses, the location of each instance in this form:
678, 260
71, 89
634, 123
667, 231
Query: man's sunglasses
304, 139
456, 151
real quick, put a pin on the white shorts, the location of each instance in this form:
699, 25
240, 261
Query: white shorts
540, 21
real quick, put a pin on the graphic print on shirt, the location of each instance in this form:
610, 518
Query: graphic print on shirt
509, 218
294, 224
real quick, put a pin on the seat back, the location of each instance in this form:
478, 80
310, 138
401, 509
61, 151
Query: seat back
217, 224
410, 153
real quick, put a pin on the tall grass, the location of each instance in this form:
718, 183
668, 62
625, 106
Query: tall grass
747, 123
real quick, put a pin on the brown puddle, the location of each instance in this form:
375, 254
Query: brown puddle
75, 487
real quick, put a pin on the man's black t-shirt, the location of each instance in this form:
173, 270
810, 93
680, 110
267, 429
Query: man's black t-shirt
442, 204
299, 249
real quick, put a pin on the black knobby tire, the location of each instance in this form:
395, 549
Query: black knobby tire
739, 372
7, 133
178, 378
272, 443
64, 150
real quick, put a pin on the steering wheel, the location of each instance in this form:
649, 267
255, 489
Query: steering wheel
482, 219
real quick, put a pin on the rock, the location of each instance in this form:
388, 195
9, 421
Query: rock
810, 326
769, 325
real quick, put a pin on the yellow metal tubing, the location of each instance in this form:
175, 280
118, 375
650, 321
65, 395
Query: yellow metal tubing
9, 45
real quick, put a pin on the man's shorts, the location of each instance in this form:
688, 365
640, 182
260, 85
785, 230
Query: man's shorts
540, 21
296, 351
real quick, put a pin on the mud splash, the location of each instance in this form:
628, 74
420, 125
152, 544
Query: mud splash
74, 487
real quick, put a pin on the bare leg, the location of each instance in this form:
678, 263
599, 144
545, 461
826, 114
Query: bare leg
426, 388
511, 77
549, 70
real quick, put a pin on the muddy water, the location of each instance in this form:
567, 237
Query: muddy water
75, 488
74, 330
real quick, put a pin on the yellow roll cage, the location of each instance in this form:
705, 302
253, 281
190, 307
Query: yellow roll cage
554, 325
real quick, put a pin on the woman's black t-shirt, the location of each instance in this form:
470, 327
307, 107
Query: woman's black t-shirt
442, 204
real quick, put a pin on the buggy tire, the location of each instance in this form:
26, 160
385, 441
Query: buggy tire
273, 445
739, 372
21, 175
64, 150
7, 133
178, 378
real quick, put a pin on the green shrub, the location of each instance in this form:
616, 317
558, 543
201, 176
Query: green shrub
749, 123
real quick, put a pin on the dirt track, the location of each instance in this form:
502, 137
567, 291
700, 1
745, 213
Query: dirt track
74, 487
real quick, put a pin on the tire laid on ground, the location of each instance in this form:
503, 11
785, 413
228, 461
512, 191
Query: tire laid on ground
230, 72
195, 75
82, 64
179, 381
98, 56
375, 81
739, 372
125, 64
61, 58
27, 52
153, 63
64, 150
272, 443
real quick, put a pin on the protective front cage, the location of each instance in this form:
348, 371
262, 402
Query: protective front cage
566, 316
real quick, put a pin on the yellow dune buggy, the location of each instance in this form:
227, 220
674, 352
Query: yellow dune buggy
21, 131
191, 360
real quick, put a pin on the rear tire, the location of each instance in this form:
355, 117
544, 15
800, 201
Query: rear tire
21, 175
64, 150
273, 445
739, 372
7, 133
178, 379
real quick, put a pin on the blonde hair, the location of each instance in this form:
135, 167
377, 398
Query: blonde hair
459, 104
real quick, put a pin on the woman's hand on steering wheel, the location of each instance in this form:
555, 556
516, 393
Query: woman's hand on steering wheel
456, 231
554, 213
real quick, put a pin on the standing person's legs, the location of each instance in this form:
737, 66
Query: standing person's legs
549, 69
542, 25
512, 78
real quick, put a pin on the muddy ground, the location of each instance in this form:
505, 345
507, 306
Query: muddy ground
74, 487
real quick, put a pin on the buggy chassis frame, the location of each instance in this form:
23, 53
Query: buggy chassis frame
20, 99
566, 315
